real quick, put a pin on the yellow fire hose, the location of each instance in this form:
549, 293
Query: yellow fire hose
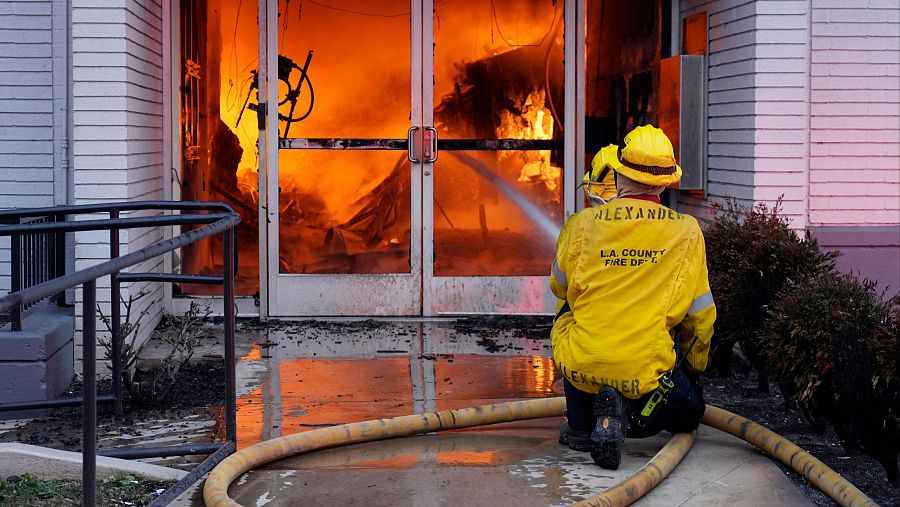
645, 479
215, 491
819, 474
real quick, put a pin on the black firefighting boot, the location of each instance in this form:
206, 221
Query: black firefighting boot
609, 434
576, 440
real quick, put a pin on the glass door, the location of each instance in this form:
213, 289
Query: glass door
419, 162
494, 189
344, 183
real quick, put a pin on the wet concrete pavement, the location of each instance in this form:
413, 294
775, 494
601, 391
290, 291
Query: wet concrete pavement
324, 375
516, 468
298, 376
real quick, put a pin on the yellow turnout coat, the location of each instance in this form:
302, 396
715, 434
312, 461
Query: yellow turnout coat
630, 271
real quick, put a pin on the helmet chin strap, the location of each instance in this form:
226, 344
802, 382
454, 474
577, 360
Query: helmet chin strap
596, 200
593, 198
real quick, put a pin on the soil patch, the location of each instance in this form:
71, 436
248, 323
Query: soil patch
200, 389
199, 384
739, 394
491, 326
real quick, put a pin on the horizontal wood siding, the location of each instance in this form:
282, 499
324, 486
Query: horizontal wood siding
804, 105
731, 98
117, 69
855, 113
26, 111
782, 106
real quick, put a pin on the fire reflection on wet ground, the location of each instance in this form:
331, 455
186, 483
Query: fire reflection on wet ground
315, 374
299, 376
320, 374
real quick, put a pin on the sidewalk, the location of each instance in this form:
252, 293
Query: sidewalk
311, 374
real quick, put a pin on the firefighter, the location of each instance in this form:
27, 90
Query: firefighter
635, 318
599, 182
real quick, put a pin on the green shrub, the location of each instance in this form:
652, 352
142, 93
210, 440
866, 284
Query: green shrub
867, 388
752, 254
832, 343
803, 326
887, 345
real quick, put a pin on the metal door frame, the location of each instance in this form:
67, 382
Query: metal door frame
502, 294
339, 294
430, 295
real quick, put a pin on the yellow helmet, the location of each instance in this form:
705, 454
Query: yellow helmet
600, 181
647, 157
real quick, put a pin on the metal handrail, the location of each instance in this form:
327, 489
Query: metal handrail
34, 258
221, 219
117, 224
78, 209
222, 222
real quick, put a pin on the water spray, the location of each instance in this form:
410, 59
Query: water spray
537, 215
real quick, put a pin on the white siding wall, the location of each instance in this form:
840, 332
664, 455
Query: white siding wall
117, 60
804, 103
27, 131
855, 113
732, 78
782, 106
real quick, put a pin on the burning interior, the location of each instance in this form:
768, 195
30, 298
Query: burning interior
345, 73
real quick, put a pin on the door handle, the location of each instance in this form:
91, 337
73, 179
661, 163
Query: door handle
429, 146
411, 145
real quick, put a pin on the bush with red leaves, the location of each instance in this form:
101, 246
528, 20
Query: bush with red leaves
834, 344
752, 254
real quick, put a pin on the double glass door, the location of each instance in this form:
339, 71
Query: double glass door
416, 163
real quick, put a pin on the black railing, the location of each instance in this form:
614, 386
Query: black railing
39, 282
35, 258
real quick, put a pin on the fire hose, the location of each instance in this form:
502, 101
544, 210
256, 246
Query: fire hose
215, 491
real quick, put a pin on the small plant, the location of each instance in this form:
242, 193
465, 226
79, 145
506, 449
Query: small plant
180, 333
887, 345
804, 323
18, 490
129, 324
752, 254
867, 389
31, 491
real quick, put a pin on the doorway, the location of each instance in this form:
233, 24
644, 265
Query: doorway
424, 153
418, 163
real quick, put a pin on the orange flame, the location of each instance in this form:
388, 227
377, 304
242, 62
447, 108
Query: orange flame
349, 211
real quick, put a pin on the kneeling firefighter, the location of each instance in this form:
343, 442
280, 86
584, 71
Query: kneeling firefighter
635, 318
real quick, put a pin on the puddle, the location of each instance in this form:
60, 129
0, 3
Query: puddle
314, 374
295, 376
299, 376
